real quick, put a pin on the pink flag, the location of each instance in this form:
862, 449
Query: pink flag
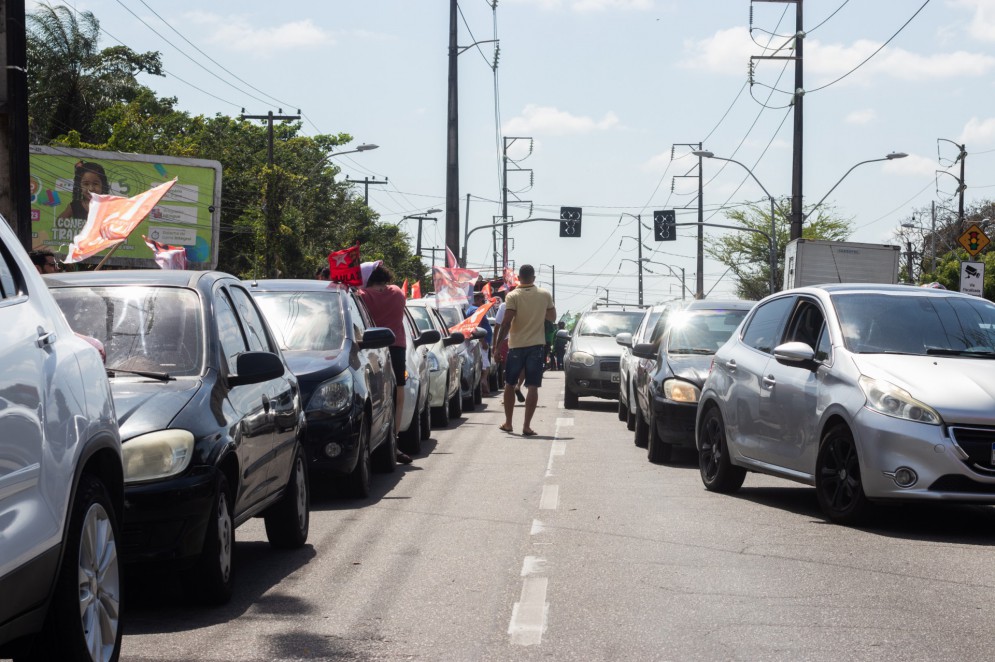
111, 219
167, 257
451, 259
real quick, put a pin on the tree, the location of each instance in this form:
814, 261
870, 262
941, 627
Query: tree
747, 254
69, 80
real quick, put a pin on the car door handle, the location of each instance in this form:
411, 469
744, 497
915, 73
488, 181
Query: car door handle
730, 365
769, 382
45, 338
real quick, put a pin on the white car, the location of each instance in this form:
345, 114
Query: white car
61, 479
415, 413
445, 364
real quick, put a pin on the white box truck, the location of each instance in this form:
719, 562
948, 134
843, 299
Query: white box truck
816, 261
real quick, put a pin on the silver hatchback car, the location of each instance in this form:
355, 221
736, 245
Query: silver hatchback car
867, 392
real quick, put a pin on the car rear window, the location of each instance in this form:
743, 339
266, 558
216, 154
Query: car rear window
304, 321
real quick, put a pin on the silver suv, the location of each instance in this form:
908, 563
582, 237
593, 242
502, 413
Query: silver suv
61, 479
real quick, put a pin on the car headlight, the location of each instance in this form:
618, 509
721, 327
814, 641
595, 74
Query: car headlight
157, 455
582, 358
680, 391
332, 396
890, 400
433, 362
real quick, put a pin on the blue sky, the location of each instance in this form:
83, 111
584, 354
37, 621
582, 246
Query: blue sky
605, 88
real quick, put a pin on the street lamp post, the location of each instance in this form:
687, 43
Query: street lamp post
421, 218
887, 157
773, 227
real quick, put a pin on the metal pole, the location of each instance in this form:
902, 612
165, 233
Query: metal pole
798, 134
639, 235
700, 287
960, 207
684, 287
933, 236
466, 229
418, 243
553, 267
504, 207
452, 135
908, 259
773, 248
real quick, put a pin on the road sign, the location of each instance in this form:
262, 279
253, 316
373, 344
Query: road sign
974, 240
972, 278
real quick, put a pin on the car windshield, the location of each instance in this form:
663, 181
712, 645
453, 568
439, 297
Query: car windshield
148, 328
702, 331
908, 324
304, 321
423, 319
610, 322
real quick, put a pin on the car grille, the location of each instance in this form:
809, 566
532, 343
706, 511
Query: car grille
977, 443
609, 366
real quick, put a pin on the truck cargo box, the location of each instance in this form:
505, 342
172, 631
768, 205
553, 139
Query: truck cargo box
816, 261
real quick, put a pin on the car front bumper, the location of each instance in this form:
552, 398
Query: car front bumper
675, 421
332, 442
593, 381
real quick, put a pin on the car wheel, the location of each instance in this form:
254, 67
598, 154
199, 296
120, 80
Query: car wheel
623, 410
630, 420
409, 441
385, 456
837, 477
642, 432
569, 398
440, 415
456, 405
492, 381
657, 450
717, 472
478, 394
215, 572
288, 520
426, 422
84, 621
358, 480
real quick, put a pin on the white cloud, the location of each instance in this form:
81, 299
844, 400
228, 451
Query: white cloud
978, 131
865, 116
236, 33
728, 51
913, 164
551, 121
982, 25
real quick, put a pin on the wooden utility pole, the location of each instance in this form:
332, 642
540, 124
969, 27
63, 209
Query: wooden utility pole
452, 139
367, 183
15, 199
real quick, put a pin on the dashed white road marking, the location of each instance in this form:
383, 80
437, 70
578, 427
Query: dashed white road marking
550, 497
537, 527
528, 616
533, 565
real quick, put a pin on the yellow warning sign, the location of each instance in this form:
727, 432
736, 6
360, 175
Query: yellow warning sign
974, 240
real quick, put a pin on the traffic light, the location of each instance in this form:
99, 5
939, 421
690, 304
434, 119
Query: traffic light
570, 221
664, 225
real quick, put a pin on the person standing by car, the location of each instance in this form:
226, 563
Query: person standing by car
526, 310
45, 261
485, 343
386, 302
559, 347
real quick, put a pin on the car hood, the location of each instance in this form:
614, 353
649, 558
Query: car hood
148, 406
960, 389
305, 365
602, 347
690, 367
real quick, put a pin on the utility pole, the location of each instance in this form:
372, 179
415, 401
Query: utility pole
272, 211
700, 286
452, 139
639, 261
15, 204
366, 182
508, 141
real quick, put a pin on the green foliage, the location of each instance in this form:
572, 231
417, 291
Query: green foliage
747, 254
948, 270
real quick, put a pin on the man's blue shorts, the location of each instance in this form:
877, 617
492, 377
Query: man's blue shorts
528, 359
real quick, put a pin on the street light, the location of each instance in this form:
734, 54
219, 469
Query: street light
773, 228
420, 218
888, 157
671, 269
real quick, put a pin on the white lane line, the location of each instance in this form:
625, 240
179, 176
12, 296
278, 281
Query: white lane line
528, 616
537, 527
558, 448
550, 497
533, 565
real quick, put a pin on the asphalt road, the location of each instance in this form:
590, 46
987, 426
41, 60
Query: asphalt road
571, 546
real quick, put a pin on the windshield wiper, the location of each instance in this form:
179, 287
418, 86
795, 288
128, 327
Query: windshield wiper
161, 376
940, 351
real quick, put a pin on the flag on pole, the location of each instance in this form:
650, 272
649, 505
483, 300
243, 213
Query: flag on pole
404, 288
343, 266
111, 219
451, 259
486, 291
451, 285
416, 290
467, 326
167, 257
510, 279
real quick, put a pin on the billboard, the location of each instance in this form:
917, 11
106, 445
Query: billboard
189, 215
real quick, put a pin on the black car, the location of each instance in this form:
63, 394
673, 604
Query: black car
210, 417
683, 359
343, 365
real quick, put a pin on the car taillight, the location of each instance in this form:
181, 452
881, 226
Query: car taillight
99, 346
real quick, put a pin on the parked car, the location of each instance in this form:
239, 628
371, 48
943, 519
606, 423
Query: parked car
347, 385
471, 391
591, 361
445, 363
416, 419
867, 392
634, 371
210, 417
680, 364
61, 479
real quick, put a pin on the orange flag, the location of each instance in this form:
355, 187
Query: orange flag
486, 291
111, 219
404, 288
467, 326
416, 290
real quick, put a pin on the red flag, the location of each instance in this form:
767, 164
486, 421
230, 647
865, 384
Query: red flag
343, 266
510, 279
451, 259
486, 291
404, 288
167, 257
467, 326
416, 290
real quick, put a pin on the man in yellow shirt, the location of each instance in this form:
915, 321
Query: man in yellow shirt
527, 308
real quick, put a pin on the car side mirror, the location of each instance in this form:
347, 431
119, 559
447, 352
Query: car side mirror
563, 333
429, 337
376, 337
479, 333
255, 367
645, 350
624, 339
453, 339
794, 353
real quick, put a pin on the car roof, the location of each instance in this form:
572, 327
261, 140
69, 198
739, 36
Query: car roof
720, 304
294, 285
878, 288
173, 277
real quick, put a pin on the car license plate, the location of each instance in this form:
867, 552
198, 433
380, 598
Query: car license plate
617, 379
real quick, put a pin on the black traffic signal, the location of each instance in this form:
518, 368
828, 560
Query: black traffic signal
664, 225
570, 221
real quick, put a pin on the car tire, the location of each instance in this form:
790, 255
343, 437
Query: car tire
358, 480
456, 406
837, 477
214, 576
623, 410
569, 398
440, 415
385, 456
409, 441
630, 420
288, 520
84, 619
478, 394
642, 432
426, 421
717, 472
657, 450
492, 381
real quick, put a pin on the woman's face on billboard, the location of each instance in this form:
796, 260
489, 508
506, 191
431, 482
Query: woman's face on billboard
90, 183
